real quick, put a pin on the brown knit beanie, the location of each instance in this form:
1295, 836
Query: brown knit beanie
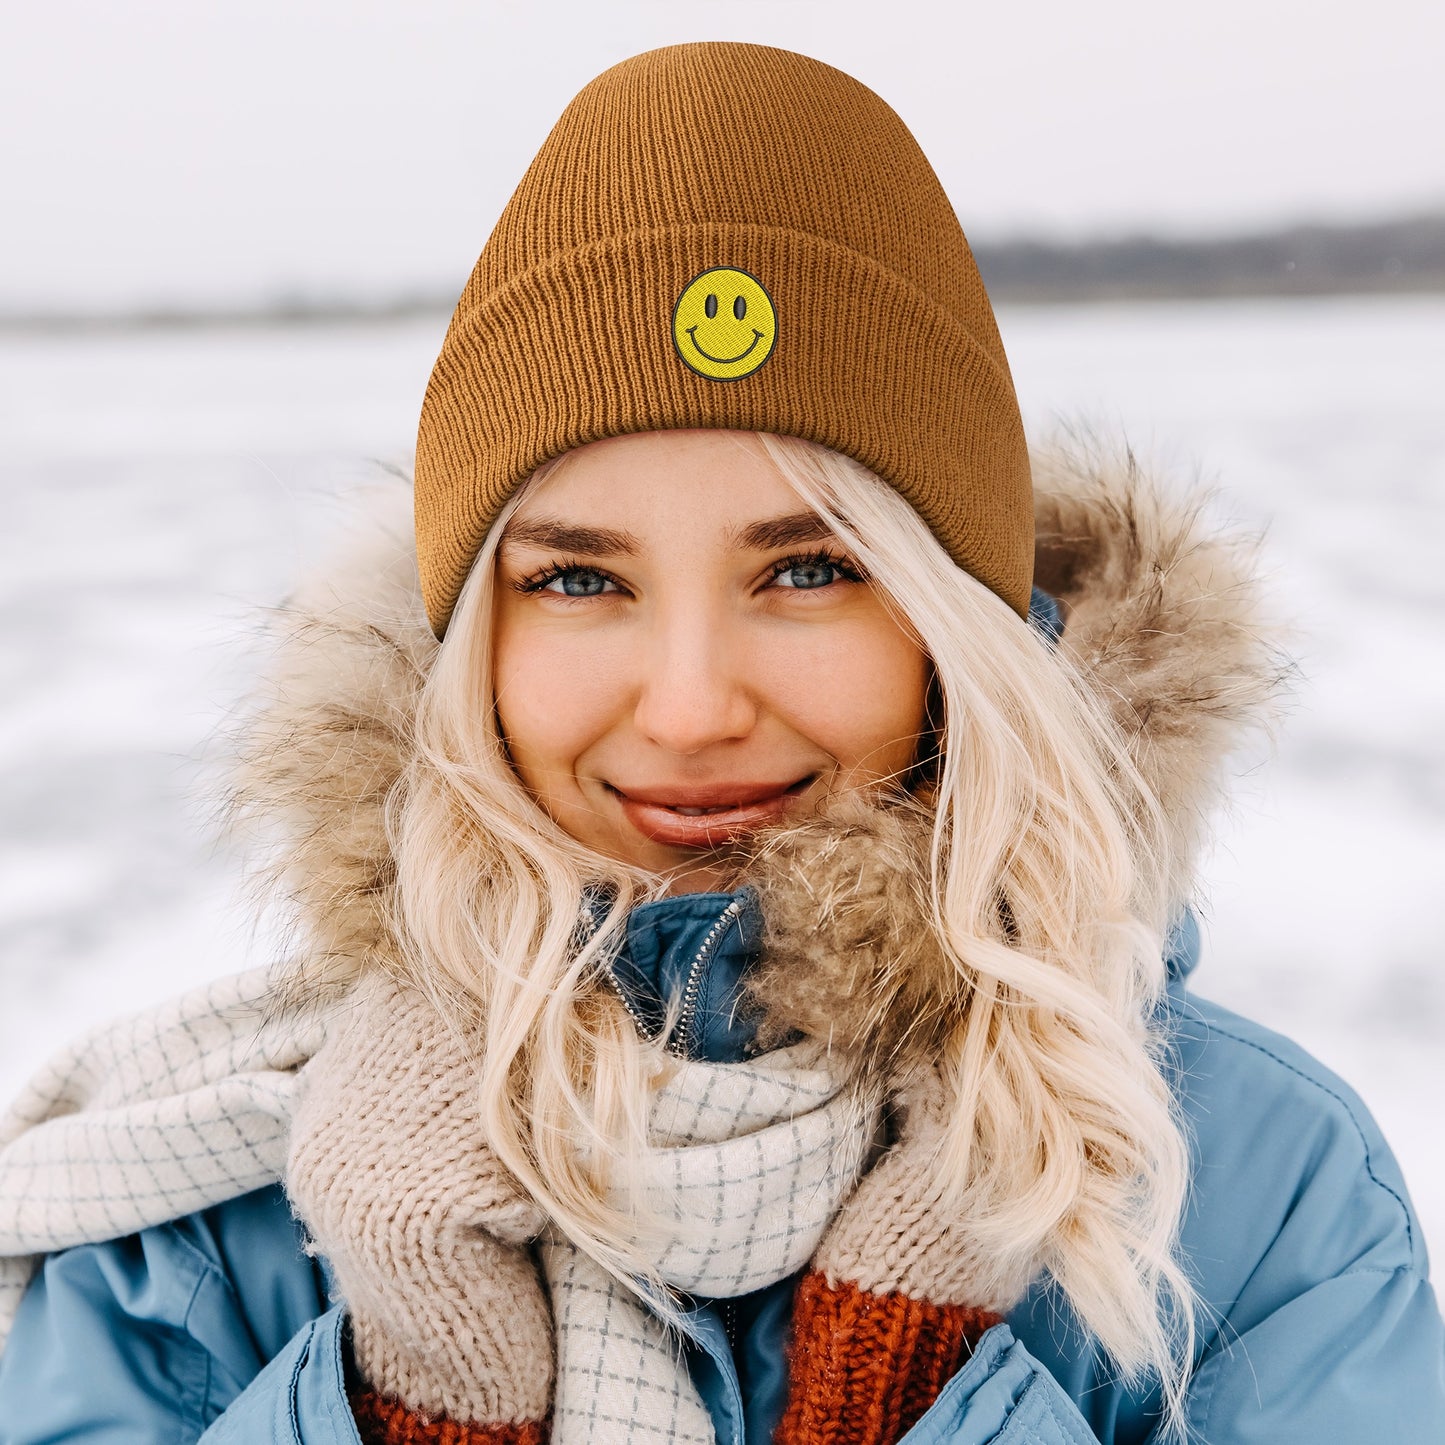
727, 235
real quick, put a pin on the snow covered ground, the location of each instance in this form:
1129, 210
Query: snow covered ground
161, 488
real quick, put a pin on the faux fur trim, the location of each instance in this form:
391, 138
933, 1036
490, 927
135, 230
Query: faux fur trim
843, 956
1163, 613
328, 736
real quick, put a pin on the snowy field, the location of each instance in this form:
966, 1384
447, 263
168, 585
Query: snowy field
161, 488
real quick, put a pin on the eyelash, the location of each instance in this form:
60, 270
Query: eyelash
847, 569
537, 581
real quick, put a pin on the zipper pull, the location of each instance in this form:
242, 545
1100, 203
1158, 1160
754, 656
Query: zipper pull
729, 1311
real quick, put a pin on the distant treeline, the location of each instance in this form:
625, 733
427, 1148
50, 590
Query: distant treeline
1389, 256
1318, 260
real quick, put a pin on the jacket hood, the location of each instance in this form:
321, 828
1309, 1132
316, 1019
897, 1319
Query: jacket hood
1162, 613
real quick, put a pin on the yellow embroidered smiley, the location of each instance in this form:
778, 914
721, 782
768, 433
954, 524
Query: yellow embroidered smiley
724, 325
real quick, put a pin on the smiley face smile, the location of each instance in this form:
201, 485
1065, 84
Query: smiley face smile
723, 360
724, 326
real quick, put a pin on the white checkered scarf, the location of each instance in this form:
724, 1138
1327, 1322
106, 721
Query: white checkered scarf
752, 1161
144, 1121
188, 1105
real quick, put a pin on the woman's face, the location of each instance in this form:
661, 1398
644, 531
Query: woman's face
684, 652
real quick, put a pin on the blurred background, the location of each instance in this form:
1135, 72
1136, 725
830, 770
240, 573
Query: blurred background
232, 235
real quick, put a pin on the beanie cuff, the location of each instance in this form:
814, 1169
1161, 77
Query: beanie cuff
581, 348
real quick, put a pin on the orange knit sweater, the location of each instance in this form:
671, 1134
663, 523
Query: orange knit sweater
862, 1370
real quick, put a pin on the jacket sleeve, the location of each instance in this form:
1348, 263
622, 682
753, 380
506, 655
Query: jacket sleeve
166, 1335
1002, 1396
300, 1396
1317, 1320
1356, 1360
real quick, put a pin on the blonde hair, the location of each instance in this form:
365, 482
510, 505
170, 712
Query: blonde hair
1050, 893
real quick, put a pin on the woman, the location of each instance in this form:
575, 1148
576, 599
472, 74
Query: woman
743, 992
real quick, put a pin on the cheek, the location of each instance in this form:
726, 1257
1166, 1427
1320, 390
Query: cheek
554, 698
862, 697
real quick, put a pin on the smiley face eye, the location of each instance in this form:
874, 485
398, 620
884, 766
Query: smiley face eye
710, 306
740, 308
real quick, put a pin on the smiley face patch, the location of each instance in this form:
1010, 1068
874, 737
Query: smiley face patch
724, 325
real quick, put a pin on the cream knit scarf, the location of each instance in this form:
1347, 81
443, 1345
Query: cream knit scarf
188, 1105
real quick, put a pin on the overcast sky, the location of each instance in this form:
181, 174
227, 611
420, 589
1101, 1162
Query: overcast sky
204, 152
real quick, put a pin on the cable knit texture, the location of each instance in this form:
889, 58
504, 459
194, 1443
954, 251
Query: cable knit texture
425, 1231
898, 1234
428, 1236
863, 1368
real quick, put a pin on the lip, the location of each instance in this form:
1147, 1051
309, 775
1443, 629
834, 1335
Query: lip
734, 809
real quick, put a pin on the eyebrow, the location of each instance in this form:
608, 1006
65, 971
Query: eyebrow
551, 533
791, 531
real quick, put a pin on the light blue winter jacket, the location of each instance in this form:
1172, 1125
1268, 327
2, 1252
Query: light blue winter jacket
1318, 1322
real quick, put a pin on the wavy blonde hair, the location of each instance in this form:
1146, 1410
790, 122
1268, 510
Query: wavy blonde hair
1049, 893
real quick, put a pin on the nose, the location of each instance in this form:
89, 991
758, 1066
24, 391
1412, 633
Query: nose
694, 691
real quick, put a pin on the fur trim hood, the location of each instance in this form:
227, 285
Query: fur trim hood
1162, 612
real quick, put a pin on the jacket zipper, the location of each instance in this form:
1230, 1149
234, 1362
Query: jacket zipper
643, 1027
589, 927
692, 990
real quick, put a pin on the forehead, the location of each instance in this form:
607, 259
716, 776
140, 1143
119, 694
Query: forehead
655, 481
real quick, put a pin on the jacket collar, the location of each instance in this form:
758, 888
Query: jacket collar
684, 961
1182, 948
680, 971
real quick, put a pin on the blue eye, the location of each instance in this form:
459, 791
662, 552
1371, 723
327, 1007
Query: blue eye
805, 576
577, 582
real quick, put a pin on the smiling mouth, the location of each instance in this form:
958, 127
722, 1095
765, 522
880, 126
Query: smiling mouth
722, 360
708, 816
